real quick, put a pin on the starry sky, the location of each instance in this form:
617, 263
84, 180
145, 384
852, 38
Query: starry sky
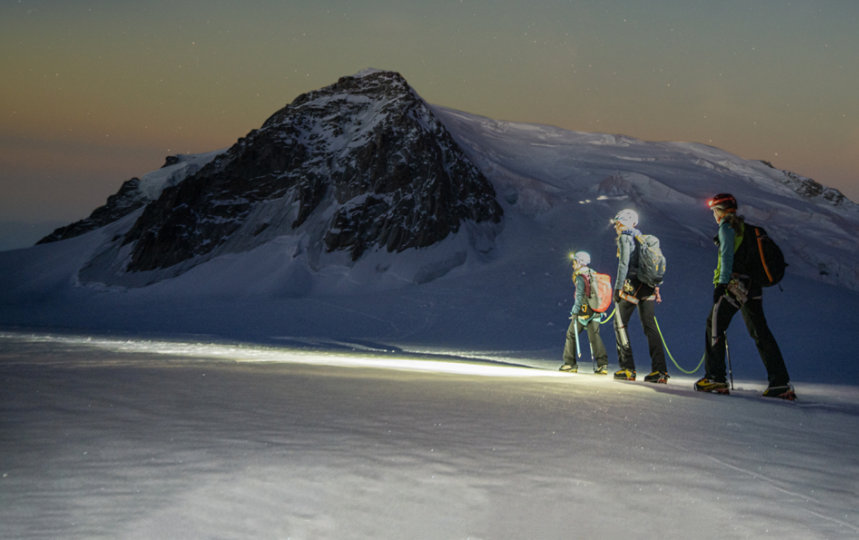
96, 92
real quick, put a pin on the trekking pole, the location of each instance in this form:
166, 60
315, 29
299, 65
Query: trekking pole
728, 356
578, 349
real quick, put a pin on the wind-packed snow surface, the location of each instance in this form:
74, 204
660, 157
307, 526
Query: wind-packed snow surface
142, 439
415, 395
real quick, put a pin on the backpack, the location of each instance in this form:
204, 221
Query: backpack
651, 261
765, 260
598, 291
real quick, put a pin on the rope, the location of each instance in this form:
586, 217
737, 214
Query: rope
672, 357
607, 319
613, 311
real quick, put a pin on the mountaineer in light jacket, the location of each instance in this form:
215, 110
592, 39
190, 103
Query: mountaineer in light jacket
630, 293
583, 317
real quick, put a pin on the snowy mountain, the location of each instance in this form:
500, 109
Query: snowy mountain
360, 216
360, 165
538, 169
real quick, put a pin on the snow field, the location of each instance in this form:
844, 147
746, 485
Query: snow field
104, 441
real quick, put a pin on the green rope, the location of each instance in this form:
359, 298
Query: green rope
610, 316
672, 358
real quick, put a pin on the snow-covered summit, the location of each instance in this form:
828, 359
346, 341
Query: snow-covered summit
357, 167
366, 72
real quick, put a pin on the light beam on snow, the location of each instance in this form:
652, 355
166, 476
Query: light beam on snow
250, 354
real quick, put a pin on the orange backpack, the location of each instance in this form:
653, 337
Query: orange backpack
599, 296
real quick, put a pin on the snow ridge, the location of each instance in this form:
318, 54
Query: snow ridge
539, 169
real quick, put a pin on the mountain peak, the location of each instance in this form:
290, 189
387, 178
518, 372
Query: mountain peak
360, 165
382, 87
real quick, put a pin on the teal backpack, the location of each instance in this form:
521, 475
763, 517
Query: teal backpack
651, 261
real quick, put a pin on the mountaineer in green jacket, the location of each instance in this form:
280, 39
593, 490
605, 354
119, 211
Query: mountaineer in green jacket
734, 290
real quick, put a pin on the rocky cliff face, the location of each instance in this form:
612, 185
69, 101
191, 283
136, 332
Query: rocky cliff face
128, 199
810, 189
132, 195
362, 164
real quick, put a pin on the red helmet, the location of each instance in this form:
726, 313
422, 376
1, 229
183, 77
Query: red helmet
723, 201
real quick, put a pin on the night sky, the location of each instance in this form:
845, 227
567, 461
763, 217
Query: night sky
96, 92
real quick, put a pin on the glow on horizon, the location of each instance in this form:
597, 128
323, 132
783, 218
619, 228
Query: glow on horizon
98, 92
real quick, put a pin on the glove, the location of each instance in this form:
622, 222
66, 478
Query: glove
617, 296
719, 291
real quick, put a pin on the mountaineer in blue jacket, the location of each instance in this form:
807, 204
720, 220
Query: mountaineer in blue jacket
630, 292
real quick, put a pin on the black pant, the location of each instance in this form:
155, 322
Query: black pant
647, 313
598, 352
720, 317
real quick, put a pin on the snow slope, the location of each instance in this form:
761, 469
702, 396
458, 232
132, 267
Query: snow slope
146, 439
543, 169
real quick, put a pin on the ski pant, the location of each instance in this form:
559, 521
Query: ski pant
598, 352
647, 314
720, 317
